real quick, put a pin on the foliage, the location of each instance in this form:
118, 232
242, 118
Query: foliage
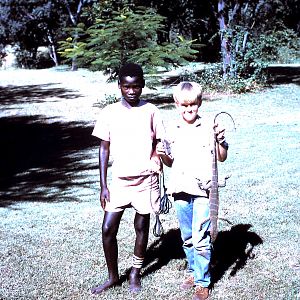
110, 43
273, 46
192, 19
33, 23
249, 40
108, 99
27, 22
103, 33
212, 80
280, 46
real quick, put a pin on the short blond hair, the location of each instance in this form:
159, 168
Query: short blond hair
187, 92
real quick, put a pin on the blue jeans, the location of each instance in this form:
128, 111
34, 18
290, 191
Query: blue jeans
193, 216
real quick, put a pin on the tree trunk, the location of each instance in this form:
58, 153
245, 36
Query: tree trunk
74, 20
53, 54
74, 59
225, 47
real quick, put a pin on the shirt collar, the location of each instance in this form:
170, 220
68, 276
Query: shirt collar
127, 105
181, 123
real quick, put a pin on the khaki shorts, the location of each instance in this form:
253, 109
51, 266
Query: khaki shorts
140, 192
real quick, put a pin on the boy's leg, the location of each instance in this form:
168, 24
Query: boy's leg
201, 241
184, 210
183, 204
141, 225
110, 226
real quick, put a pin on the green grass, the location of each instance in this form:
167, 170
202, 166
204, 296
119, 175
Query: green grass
54, 251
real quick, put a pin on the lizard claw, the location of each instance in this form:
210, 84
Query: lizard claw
222, 183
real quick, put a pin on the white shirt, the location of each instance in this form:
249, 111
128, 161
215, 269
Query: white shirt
191, 146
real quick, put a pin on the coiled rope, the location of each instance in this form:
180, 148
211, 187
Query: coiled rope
164, 207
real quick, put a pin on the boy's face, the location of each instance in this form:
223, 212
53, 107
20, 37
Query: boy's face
188, 111
131, 89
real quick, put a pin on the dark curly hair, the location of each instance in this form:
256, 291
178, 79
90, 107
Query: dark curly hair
132, 70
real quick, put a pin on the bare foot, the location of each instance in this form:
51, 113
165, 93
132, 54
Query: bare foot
105, 286
135, 282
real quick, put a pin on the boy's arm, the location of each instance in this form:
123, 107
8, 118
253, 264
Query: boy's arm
103, 165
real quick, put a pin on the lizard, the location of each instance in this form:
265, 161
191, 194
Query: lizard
214, 185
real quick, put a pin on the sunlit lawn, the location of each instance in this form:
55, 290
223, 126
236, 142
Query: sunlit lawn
53, 250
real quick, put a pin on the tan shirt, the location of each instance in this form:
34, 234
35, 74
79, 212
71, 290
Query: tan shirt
191, 146
131, 132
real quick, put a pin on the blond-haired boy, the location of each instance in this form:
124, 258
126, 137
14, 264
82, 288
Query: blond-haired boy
191, 163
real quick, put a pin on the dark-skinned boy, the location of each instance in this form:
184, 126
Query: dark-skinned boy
128, 130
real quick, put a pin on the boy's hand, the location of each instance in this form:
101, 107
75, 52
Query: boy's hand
160, 149
219, 132
104, 197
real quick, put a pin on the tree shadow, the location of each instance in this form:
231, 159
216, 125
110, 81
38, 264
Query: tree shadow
34, 94
232, 250
285, 73
41, 160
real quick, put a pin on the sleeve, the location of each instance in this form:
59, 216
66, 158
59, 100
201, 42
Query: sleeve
101, 129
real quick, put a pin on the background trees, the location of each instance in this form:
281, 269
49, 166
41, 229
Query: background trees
245, 28
30, 24
100, 34
33, 23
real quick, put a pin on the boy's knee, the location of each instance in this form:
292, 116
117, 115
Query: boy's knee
106, 231
109, 229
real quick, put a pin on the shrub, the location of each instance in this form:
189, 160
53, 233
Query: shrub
280, 46
127, 36
211, 79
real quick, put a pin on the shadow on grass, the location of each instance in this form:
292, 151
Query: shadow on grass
284, 73
160, 253
232, 250
33, 93
40, 160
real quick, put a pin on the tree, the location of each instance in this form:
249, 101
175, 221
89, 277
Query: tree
192, 19
111, 42
34, 23
241, 23
30, 24
238, 23
74, 9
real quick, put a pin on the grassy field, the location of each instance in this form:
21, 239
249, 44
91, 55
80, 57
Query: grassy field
51, 218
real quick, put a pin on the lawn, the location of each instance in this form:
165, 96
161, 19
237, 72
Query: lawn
50, 227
